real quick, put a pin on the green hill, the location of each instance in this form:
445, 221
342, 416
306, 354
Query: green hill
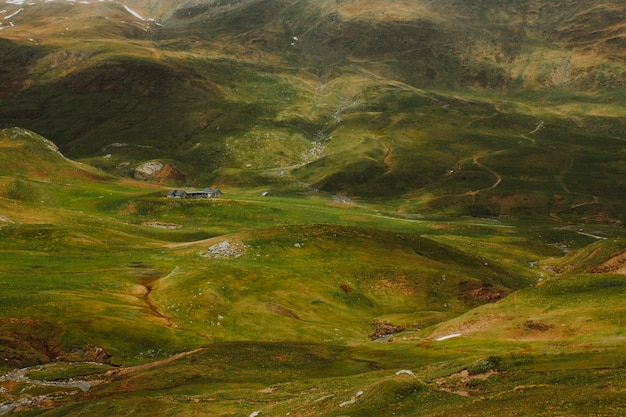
301, 305
422, 209
371, 100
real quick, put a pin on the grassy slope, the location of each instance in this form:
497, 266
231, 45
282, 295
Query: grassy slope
286, 324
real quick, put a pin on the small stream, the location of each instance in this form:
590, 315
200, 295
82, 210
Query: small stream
20, 376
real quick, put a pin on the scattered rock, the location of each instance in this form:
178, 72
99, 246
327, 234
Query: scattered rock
225, 249
384, 328
351, 400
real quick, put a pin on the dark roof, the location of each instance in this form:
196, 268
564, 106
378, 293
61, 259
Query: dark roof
176, 193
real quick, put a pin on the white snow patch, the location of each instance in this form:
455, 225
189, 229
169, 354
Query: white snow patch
255, 414
134, 13
405, 371
351, 400
21, 9
450, 336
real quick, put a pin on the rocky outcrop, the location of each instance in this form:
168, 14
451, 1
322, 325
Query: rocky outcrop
158, 172
225, 249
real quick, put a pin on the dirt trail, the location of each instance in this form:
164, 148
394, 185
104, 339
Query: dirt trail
594, 200
139, 368
538, 128
475, 161
387, 158
532, 132
482, 118
216, 239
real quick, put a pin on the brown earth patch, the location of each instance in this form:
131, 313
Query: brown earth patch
384, 328
601, 218
483, 292
169, 173
487, 294
615, 265
537, 325
460, 383
400, 285
283, 311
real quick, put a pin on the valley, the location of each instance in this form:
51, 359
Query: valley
422, 209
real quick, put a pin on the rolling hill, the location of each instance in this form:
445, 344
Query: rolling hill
422, 214
300, 305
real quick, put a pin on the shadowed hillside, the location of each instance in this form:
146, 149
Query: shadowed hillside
369, 99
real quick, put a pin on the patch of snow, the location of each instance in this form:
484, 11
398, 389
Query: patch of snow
351, 400
406, 372
134, 13
255, 414
21, 9
450, 336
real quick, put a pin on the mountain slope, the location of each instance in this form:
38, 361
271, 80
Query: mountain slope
116, 299
363, 98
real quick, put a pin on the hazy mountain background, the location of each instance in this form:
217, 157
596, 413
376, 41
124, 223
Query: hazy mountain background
424, 101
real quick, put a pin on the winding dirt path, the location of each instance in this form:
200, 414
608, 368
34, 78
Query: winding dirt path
387, 158
475, 161
532, 132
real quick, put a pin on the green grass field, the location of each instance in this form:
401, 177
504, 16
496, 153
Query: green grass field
161, 321
443, 233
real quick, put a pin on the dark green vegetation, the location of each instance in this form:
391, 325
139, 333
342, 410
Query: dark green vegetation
485, 109
444, 170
